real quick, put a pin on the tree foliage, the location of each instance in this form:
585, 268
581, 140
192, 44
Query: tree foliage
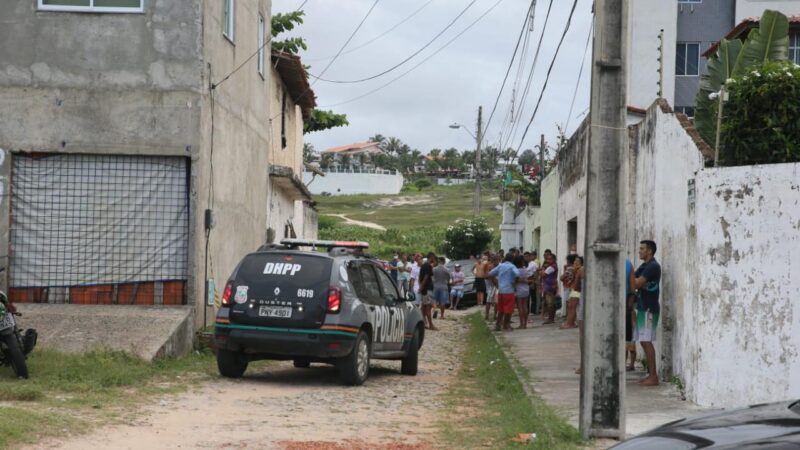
761, 123
323, 120
283, 22
467, 237
768, 42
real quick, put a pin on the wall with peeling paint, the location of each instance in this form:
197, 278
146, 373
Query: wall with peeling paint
747, 325
663, 158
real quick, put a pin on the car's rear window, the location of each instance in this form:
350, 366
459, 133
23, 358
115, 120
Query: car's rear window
289, 272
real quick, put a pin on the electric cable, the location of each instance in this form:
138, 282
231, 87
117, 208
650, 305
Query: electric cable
547, 77
377, 75
370, 41
580, 74
301, 5
510, 64
485, 13
352, 35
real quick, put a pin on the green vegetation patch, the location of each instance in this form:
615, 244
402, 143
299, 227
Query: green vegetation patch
487, 406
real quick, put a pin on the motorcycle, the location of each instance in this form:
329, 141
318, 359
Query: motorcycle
15, 345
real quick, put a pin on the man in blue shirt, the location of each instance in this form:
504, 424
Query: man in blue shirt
506, 274
647, 282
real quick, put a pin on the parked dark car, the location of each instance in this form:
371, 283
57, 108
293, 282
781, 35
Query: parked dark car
339, 307
470, 299
767, 426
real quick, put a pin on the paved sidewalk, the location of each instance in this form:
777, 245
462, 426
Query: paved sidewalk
551, 356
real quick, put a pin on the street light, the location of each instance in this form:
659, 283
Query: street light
476, 207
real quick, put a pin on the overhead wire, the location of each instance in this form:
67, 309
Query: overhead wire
524, 98
370, 41
547, 77
510, 64
390, 82
401, 63
580, 75
350, 38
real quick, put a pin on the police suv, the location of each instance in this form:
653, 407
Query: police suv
339, 307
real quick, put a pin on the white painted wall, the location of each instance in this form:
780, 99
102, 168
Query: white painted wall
646, 18
354, 183
543, 217
747, 315
754, 8
664, 158
512, 228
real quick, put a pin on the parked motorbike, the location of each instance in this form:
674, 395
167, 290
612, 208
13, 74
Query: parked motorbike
14, 343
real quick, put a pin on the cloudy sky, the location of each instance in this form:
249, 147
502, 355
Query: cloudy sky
449, 86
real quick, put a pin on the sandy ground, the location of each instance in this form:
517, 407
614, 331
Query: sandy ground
402, 201
349, 221
281, 407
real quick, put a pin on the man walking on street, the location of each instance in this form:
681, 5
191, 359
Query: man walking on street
426, 290
647, 283
441, 279
506, 274
480, 270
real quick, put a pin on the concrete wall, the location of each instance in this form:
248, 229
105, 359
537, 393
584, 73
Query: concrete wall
292, 154
337, 183
663, 157
543, 218
572, 192
754, 8
746, 326
512, 228
241, 146
646, 19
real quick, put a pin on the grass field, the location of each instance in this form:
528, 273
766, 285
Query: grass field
435, 206
487, 406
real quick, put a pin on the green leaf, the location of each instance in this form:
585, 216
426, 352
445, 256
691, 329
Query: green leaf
768, 42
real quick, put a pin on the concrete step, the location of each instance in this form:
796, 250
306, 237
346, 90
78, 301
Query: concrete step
149, 332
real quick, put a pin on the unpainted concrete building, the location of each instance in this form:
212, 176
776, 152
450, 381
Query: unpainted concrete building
119, 128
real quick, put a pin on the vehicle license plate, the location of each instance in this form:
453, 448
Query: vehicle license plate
283, 312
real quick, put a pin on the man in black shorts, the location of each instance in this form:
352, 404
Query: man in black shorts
480, 270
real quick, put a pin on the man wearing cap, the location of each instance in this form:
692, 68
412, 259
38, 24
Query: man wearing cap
457, 289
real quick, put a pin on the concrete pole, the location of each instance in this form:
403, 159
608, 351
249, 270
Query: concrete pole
541, 164
478, 138
719, 125
602, 408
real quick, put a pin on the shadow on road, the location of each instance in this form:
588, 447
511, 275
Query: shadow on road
316, 375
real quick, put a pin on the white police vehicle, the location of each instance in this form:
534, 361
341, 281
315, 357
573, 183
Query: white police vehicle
339, 307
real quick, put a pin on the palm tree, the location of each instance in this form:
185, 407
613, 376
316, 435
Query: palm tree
380, 140
393, 146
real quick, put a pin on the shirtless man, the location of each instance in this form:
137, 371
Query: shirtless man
480, 270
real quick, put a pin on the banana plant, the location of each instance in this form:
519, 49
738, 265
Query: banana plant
768, 42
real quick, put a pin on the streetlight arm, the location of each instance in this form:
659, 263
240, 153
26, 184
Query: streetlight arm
456, 125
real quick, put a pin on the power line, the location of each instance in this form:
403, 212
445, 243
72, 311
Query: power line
421, 62
225, 78
370, 41
524, 99
301, 5
428, 44
371, 8
580, 74
510, 64
547, 77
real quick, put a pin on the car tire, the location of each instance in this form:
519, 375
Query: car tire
14, 354
409, 364
231, 364
354, 368
302, 363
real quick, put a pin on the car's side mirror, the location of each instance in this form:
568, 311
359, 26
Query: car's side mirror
410, 296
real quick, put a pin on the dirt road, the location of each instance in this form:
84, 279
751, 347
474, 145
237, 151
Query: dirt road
349, 221
281, 407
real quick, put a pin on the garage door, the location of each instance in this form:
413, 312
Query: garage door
98, 229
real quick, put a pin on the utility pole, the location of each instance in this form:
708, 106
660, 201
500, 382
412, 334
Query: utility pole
722, 97
602, 400
476, 207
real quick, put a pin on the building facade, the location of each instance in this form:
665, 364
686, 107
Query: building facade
121, 127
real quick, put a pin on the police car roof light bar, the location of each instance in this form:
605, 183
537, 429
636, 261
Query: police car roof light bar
323, 244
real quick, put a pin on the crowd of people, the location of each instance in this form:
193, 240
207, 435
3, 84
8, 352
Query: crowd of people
519, 280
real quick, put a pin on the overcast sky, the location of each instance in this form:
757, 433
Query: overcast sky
451, 85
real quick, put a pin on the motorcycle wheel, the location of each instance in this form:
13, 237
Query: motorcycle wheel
16, 356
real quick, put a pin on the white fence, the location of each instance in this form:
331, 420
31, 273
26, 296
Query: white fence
354, 182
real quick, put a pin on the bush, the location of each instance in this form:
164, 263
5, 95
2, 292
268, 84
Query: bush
325, 222
760, 123
467, 237
385, 244
423, 183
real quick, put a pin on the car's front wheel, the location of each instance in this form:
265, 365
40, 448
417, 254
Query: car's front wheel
231, 364
354, 368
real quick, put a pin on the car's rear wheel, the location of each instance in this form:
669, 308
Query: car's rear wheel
231, 364
302, 363
354, 368
410, 362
